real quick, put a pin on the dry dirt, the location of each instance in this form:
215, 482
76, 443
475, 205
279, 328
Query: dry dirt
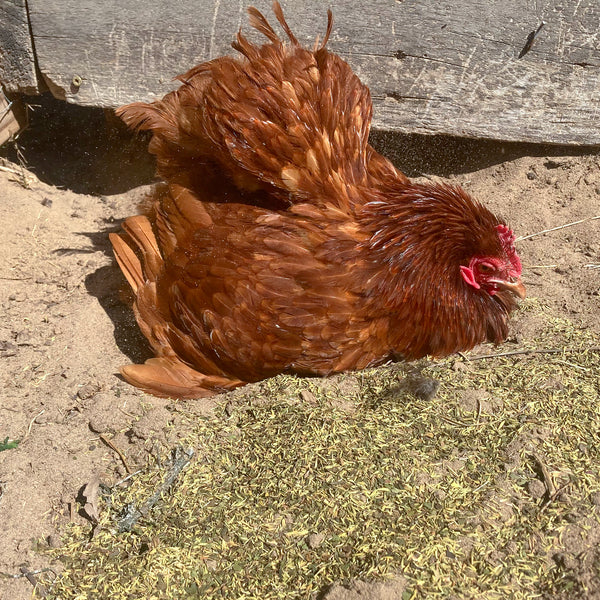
64, 331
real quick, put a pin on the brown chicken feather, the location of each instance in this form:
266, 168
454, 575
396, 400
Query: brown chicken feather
282, 242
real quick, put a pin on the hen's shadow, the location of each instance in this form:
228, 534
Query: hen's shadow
109, 286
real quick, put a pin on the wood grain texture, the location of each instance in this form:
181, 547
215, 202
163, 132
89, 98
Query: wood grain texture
13, 118
17, 62
448, 67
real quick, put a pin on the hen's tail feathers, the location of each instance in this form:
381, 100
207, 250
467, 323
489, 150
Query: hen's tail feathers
128, 261
177, 139
261, 24
288, 120
300, 119
168, 377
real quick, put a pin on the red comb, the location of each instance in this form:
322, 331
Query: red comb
507, 239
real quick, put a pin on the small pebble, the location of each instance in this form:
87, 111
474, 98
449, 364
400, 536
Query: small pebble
308, 397
314, 540
87, 391
536, 488
211, 564
564, 560
571, 518
459, 366
18, 297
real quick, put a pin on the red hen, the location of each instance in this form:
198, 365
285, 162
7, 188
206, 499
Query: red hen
282, 242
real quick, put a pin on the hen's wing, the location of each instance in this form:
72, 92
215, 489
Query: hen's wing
238, 293
285, 119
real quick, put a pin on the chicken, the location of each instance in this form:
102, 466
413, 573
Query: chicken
282, 242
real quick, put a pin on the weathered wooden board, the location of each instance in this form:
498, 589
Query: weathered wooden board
13, 118
450, 66
17, 62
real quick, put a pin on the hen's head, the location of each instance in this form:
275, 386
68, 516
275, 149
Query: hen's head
501, 271
437, 235
446, 267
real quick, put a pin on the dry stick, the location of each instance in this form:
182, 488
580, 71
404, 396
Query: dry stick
181, 459
121, 481
38, 587
9, 170
546, 478
554, 496
532, 351
121, 455
526, 237
552, 492
22, 573
33, 421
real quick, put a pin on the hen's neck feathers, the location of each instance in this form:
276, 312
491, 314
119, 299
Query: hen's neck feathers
420, 235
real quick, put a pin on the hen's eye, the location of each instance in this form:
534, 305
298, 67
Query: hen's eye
485, 268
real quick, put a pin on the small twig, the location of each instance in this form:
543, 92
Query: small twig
533, 351
9, 170
126, 413
24, 572
33, 421
181, 459
6, 109
546, 478
526, 237
113, 447
552, 492
122, 481
455, 422
554, 496
480, 487
570, 364
38, 587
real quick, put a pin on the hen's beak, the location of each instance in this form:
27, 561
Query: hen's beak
516, 287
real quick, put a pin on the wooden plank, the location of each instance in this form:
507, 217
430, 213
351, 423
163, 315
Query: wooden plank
17, 58
13, 118
447, 67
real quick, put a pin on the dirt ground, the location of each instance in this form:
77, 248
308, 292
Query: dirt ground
64, 331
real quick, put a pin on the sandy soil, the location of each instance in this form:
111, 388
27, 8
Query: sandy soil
64, 331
